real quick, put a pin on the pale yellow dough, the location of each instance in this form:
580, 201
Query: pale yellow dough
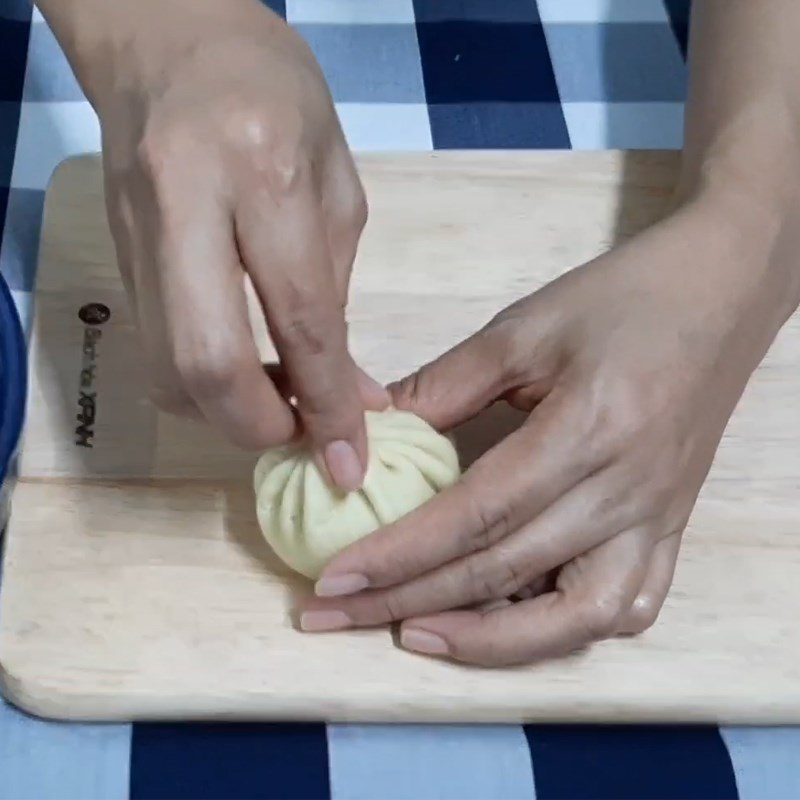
307, 523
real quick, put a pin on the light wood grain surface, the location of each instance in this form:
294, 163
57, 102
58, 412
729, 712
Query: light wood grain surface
137, 585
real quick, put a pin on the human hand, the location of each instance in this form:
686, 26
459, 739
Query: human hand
223, 158
629, 367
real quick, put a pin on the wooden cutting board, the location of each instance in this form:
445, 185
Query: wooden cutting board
137, 584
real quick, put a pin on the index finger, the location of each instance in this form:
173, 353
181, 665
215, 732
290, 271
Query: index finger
508, 486
284, 243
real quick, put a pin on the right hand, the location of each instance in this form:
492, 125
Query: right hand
223, 156
629, 368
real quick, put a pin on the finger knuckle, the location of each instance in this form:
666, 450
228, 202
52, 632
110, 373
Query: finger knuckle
408, 392
521, 340
248, 124
290, 167
503, 342
345, 228
492, 523
643, 614
270, 140
158, 148
206, 374
359, 214
478, 579
509, 578
393, 607
171, 400
305, 332
599, 617
492, 576
618, 414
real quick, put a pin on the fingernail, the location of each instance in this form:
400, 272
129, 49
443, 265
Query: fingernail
340, 585
316, 621
423, 642
344, 465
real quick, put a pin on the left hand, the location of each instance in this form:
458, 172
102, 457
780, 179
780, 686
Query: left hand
630, 368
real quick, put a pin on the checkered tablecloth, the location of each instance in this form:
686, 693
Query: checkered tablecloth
406, 75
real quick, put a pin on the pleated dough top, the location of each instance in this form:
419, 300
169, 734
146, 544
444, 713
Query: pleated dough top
307, 522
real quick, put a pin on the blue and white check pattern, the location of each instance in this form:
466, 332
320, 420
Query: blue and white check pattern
405, 75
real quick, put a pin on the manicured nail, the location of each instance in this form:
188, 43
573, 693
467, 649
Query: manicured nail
316, 621
340, 585
423, 642
344, 465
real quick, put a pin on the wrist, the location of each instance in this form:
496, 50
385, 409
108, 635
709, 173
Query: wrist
746, 172
746, 237
118, 47
753, 209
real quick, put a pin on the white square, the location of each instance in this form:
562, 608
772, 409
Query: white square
578, 11
624, 126
49, 133
350, 12
386, 126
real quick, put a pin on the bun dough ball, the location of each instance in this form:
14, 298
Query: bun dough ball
307, 522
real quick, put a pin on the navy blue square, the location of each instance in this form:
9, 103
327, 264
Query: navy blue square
278, 6
476, 10
229, 762
641, 762
4, 193
679, 12
468, 62
9, 121
14, 49
15, 9
502, 126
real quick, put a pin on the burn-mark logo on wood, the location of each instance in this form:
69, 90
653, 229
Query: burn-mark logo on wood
92, 315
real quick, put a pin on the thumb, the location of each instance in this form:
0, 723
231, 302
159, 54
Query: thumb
459, 384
